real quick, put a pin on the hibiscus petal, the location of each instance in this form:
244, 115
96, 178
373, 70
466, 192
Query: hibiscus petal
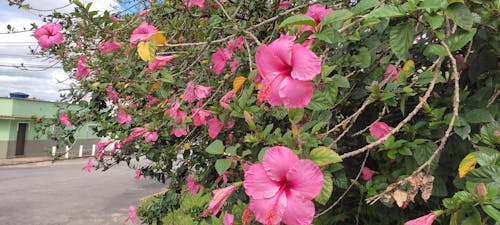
305, 179
295, 93
44, 41
298, 211
305, 64
268, 64
57, 38
282, 47
257, 184
269, 210
277, 161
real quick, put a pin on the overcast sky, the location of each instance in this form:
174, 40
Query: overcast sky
14, 50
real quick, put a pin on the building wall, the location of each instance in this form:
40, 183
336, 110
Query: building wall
15, 111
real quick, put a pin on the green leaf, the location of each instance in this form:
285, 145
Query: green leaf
298, 20
433, 4
363, 58
330, 35
434, 20
364, 5
459, 39
337, 15
479, 116
401, 39
386, 11
326, 191
221, 165
492, 212
216, 147
434, 49
423, 151
341, 81
295, 114
323, 156
461, 15
484, 174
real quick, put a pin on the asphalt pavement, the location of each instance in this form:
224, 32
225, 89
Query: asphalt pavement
51, 194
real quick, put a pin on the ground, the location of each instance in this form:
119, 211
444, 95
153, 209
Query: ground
61, 193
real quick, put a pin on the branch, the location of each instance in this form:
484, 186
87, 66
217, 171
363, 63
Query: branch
417, 108
442, 141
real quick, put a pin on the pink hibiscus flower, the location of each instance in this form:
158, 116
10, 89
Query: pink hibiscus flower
233, 65
138, 174
88, 166
228, 219
112, 94
63, 117
82, 70
236, 43
192, 186
367, 173
226, 99
143, 32
287, 70
114, 18
176, 114
101, 146
285, 4
424, 220
380, 130
179, 132
317, 12
131, 214
201, 91
219, 59
214, 127
48, 35
109, 46
123, 117
191, 3
189, 95
149, 136
200, 116
158, 63
392, 71
282, 187
222, 177
220, 197
144, 12
151, 101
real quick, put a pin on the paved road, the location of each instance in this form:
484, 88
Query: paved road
61, 193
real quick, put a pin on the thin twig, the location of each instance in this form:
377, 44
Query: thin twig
417, 108
348, 188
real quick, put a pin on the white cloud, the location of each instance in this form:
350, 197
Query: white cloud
15, 49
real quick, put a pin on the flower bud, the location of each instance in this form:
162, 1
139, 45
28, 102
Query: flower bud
481, 190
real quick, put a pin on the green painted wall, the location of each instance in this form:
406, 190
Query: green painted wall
14, 111
5, 129
6, 106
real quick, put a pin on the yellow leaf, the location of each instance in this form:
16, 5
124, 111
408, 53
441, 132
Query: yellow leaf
146, 51
468, 163
158, 39
126, 85
238, 81
155, 86
409, 65
96, 84
205, 61
344, 124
